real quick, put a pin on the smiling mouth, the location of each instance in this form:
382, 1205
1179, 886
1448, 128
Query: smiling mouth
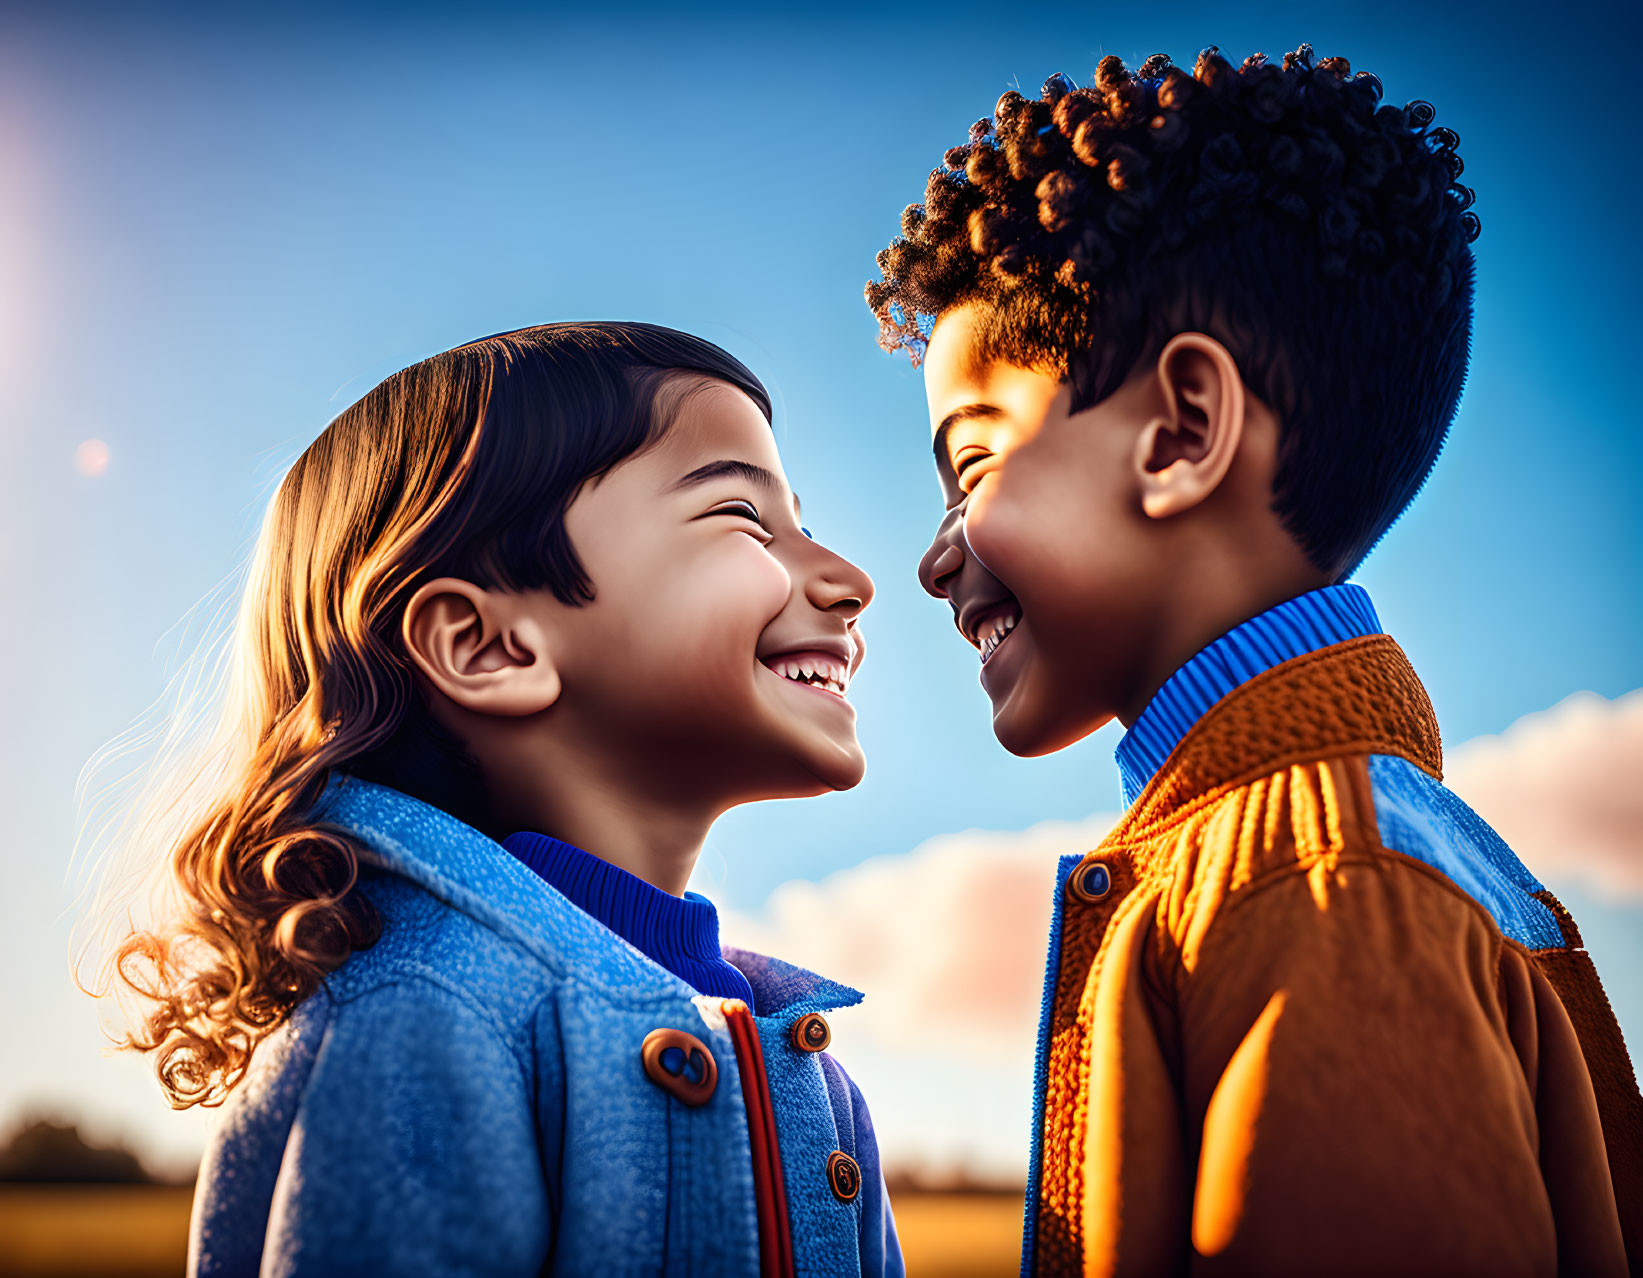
994, 627
819, 670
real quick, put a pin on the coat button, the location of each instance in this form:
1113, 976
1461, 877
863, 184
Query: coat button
1090, 881
680, 1064
843, 1176
810, 1033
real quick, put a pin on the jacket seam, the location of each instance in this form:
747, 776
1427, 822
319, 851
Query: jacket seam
1143, 835
540, 956
1372, 855
410, 972
1377, 852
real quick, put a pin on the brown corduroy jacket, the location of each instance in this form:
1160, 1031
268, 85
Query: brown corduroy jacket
1276, 1045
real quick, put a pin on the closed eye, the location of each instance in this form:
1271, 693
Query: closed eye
966, 459
740, 509
744, 508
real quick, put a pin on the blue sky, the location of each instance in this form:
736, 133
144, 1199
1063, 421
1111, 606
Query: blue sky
215, 234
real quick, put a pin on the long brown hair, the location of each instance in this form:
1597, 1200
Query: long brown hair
461, 465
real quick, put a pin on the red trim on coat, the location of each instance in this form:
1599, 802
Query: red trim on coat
769, 1190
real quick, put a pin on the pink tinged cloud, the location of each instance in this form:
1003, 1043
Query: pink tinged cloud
1564, 788
91, 458
947, 940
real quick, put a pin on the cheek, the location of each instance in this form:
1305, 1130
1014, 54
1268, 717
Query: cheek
715, 607
1013, 528
751, 584
1048, 527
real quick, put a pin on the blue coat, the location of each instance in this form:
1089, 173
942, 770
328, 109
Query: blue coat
467, 1095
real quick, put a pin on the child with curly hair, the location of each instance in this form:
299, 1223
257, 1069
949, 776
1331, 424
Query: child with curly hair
1192, 342
522, 623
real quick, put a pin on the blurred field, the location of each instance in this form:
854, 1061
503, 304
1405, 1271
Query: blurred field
141, 1231
121, 1231
960, 1235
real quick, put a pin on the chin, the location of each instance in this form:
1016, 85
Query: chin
1041, 689
812, 743
1024, 738
840, 768
1030, 727
849, 775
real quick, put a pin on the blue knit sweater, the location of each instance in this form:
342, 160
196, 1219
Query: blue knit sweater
679, 933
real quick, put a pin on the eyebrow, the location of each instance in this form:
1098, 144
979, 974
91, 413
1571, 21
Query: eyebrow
967, 413
728, 469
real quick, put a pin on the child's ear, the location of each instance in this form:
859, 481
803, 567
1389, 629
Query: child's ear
1184, 452
483, 649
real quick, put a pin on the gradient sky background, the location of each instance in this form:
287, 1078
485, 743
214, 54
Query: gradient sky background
215, 233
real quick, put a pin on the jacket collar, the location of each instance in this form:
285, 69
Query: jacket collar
1357, 697
781, 988
474, 874
1293, 628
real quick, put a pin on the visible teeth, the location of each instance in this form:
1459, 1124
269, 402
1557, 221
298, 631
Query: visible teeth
817, 672
996, 635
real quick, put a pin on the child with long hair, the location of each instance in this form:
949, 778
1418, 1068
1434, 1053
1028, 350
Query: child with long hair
522, 623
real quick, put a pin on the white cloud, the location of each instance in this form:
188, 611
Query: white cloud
1564, 787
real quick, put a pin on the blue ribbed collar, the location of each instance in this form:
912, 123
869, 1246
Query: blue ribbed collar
681, 933
1294, 628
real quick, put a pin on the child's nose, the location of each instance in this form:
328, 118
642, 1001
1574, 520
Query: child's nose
841, 587
940, 563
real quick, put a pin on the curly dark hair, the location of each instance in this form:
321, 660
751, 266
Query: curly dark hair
1322, 237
